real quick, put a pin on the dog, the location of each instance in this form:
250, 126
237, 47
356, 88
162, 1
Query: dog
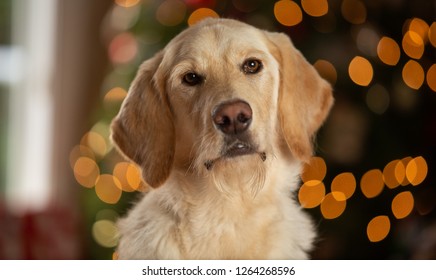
220, 122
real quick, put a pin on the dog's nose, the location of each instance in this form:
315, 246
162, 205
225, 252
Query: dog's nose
233, 117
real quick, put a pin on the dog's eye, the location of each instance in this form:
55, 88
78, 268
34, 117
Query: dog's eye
192, 79
252, 66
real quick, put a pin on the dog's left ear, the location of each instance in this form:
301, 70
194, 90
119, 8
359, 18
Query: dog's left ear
305, 98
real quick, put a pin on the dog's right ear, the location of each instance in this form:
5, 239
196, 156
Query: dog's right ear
143, 130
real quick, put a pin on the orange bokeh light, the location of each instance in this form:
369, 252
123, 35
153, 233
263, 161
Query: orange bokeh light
331, 208
388, 51
372, 183
316, 169
360, 71
200, 14
315, 8
402, 204
378, 228
311, 194
287, 12
413, 74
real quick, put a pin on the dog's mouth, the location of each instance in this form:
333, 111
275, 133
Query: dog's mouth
236, 149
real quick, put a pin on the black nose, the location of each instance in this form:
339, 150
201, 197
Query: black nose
233, 117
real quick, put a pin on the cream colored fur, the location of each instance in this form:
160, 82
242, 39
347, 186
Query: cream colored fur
203, 203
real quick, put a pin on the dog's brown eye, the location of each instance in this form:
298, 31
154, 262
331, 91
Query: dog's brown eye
251, 66
192, 79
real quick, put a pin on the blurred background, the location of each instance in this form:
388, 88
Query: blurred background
65, 67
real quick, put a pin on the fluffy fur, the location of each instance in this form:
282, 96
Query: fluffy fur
205, 202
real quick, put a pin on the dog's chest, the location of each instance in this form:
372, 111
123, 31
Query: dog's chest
232, 233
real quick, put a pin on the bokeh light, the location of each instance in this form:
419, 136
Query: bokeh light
378, 228
86, 172
288, 13
393, 173
372, 183
200, 14
171, 12
360, 71
123, 48
354, 11
402, 205
343, 186
315, 8
413, 45
405, 161
105, 233
116, 94
432, 34
315, 169
96, 142
127, 3
128, 175
431, 77
377, 99
327, 70
388, 51
420, 27
413, 74
108, 189
331, 208
80, 151
416, 170
311, 194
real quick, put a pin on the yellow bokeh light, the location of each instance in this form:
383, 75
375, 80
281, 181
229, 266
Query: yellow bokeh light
331, 208
420, 27
432, 34
416, 170
116, 94
326, 70
311, 194
86, 171
360, 71
171, 12
80, 151
108, 189
200, 14
128, 175
127, 3
343, 186
95, 142
378, 228
431, 77
372, 183
288, 13
402, 205
315, 8
133, 175
413, 45
354, 11
388, 51
316, 169
105, 233
413, 74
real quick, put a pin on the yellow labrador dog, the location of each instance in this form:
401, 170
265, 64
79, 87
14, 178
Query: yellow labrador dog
220, 122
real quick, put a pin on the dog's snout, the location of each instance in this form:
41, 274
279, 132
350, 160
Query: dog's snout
233, 117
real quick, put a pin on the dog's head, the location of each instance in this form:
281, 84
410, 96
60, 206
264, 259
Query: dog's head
221, 95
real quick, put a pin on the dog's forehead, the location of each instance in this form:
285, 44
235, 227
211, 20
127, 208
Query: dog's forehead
219, 38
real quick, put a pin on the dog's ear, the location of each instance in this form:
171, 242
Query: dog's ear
143, 130
304, 97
